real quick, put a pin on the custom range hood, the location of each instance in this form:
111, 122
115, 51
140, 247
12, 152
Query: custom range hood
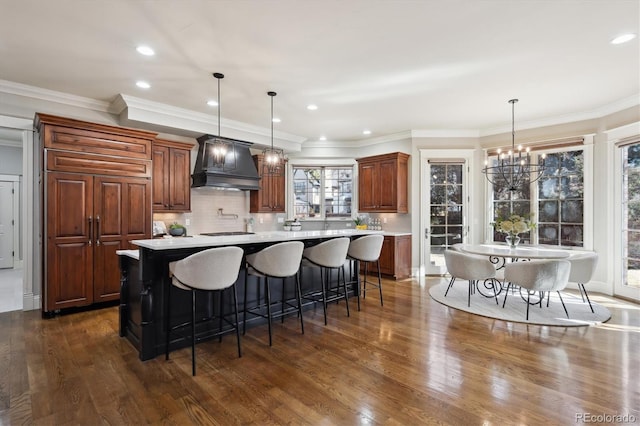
224, 163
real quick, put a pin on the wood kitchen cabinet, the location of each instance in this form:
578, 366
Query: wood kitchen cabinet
97, 200
395, 257
171, 176
270, 198
383, 183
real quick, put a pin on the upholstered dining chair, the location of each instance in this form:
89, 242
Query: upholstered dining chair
583, 266
538, 276
468, 267
211, 270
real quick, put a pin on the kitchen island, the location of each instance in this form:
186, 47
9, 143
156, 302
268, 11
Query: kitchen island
144, 283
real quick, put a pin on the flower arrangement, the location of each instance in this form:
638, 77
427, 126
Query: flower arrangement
513, 225
360, 222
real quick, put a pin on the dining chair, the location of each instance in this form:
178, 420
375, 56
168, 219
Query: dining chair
208, 271
471, 268
538, 276
583, 266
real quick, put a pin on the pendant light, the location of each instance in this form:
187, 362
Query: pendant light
513, 169
220, 152
273, 158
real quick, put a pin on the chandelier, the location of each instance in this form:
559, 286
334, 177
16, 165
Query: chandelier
221, 152
273, 157
513, 169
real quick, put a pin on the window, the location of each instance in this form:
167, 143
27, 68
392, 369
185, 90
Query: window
321, 192
555, 202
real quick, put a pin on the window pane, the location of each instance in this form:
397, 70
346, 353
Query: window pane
548, 188
438, 215
454, 214
572, 235
454, 174
571, 211
548, 234
633, 215
454, 194
337, 191
455, 235
438, 174
438, 194
548, 211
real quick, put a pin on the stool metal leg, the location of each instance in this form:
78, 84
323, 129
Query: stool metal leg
324, 292
168, 323
299, 297
221, 313
244, 304
268, 295
193, 332
380, 282
235, 311
344, 286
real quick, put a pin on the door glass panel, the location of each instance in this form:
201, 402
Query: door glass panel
447, 209
631, 216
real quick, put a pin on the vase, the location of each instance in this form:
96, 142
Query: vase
512, 241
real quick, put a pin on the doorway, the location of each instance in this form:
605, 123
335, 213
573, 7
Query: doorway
446, 201
8, 222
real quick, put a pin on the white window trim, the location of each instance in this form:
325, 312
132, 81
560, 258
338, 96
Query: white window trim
316, 162
587, 148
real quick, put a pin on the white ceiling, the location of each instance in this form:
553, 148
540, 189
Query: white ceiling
389, 66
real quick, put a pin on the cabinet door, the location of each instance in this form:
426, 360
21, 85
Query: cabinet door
122, 213
367, 187
179, 179
160, 173
278, 185
387, 186
387, 256
69, 231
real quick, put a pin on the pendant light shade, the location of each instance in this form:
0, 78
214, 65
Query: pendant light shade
220, 152
514, 169
273, 158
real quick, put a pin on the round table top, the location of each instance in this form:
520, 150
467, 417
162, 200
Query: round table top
525, 251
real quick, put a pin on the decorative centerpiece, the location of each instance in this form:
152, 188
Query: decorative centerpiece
513, 226
177, 230
359, 221
292, 225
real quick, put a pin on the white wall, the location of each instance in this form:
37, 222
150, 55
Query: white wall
10, 160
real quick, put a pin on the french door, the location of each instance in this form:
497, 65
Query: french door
628, 284
446, 209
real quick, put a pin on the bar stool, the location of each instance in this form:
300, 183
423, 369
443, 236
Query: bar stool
212, 270
366, 249
277, 261
328, 255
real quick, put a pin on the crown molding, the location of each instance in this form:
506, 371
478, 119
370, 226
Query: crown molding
445, 133
129, 106
603, 111
19, 89
359, 143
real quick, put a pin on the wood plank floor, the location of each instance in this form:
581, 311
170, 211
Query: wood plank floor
410, 362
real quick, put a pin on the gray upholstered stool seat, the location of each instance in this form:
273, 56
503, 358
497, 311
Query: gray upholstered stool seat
469, 267
328, 255
366, 249
583, 266
212, 270
538, 276
277, 261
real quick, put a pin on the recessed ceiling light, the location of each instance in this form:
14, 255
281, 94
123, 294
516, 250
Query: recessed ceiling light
276, 120
623, 38
323, 138
366, 132
143, 84
145, 50
212, 103
312, 107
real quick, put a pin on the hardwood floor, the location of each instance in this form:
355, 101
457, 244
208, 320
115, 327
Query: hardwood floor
410, 362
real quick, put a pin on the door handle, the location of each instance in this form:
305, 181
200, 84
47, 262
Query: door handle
426, 233
99, 233
90, 219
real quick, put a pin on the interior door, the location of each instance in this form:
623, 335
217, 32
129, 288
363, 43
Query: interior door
6, 224
447, 207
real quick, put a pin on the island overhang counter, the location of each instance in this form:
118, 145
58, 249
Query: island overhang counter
144, 282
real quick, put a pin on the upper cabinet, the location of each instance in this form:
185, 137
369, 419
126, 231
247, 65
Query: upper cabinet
270, 197
171, 176
383, 183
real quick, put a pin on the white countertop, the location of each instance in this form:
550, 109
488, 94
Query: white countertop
134, 254
395, 234
258, 237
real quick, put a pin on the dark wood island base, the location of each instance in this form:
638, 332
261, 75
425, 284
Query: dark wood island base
145, 286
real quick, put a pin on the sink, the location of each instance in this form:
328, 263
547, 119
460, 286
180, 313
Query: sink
219, 234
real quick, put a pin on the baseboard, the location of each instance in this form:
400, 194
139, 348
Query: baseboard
30, 302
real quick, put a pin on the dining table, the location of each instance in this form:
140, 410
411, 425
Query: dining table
499, 254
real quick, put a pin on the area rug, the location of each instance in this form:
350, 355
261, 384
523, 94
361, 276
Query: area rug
516, 308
